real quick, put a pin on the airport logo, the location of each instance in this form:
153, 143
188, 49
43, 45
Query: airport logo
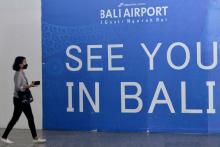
134, 13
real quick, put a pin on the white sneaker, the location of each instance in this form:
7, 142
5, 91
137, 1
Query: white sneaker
6, 141
39, 140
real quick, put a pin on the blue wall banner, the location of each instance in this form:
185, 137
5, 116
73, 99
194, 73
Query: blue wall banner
132, 65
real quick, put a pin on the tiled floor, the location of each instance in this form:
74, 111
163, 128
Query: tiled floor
23, 138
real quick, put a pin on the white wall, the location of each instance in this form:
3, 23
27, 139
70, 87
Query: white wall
20, 34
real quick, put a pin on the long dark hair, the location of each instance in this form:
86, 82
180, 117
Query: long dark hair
18, 60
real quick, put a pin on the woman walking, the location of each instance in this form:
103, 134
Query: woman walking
21, 85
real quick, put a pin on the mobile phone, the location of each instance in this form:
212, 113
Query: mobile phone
36, 82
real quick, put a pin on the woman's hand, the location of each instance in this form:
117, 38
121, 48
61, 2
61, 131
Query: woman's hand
32, 85
29, 86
